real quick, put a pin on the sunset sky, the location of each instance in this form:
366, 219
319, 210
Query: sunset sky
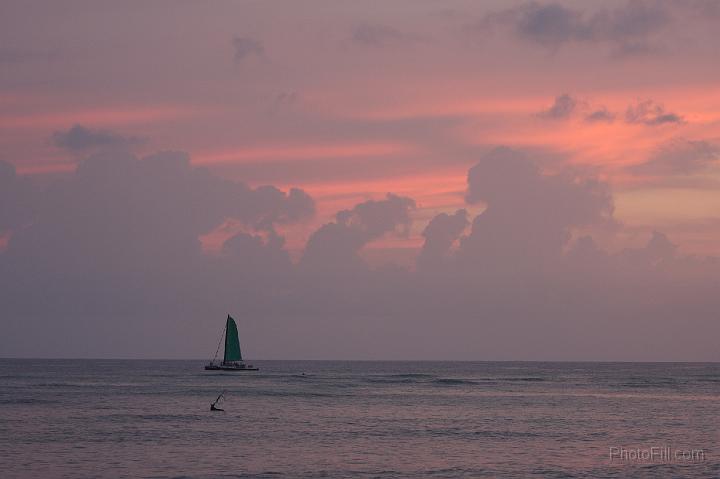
617, 103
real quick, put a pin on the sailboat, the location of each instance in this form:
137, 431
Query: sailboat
232, 360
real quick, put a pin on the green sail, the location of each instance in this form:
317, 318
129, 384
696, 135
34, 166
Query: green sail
232, 344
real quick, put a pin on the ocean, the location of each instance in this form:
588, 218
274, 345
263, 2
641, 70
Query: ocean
358, 419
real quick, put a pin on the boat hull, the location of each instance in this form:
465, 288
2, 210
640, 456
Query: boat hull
230, 367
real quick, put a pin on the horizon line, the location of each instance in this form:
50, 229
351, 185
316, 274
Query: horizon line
593, 361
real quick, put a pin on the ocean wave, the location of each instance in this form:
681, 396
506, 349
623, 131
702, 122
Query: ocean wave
401, 378
27, 401
505, 434
298, 393
388, 380
122, 418
87, 384
649, 383
522, 378
453, 382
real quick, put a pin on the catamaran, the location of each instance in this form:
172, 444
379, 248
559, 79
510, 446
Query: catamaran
232, 360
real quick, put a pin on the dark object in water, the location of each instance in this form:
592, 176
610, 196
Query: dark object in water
213, 405
232, 360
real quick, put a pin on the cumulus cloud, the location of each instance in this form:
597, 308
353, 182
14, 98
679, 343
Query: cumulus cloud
336, 245
562, 108
679, 157
647, 112
519, 275
269, 205
659, 255
118, 213
600, 115
80, 138
529, 215
440, 234
658, 249
565, 106
246, 47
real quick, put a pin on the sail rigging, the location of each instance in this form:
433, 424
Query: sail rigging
220, 398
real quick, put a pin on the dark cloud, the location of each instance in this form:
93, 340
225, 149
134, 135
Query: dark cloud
246, 47
529, 215
113, 251
440, 234
118, 212
336, 245
600, 115
80, 138
636, 18
650, 113
553, 25
563, 108
277, 206
679, 157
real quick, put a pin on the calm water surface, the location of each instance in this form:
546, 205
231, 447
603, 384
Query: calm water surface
95, 418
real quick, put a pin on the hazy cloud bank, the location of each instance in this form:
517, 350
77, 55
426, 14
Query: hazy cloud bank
108, 262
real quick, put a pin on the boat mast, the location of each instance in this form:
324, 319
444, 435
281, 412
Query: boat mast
222, 335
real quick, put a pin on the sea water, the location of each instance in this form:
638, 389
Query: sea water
312, 419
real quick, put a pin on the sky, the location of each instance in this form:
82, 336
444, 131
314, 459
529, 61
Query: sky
416, 179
